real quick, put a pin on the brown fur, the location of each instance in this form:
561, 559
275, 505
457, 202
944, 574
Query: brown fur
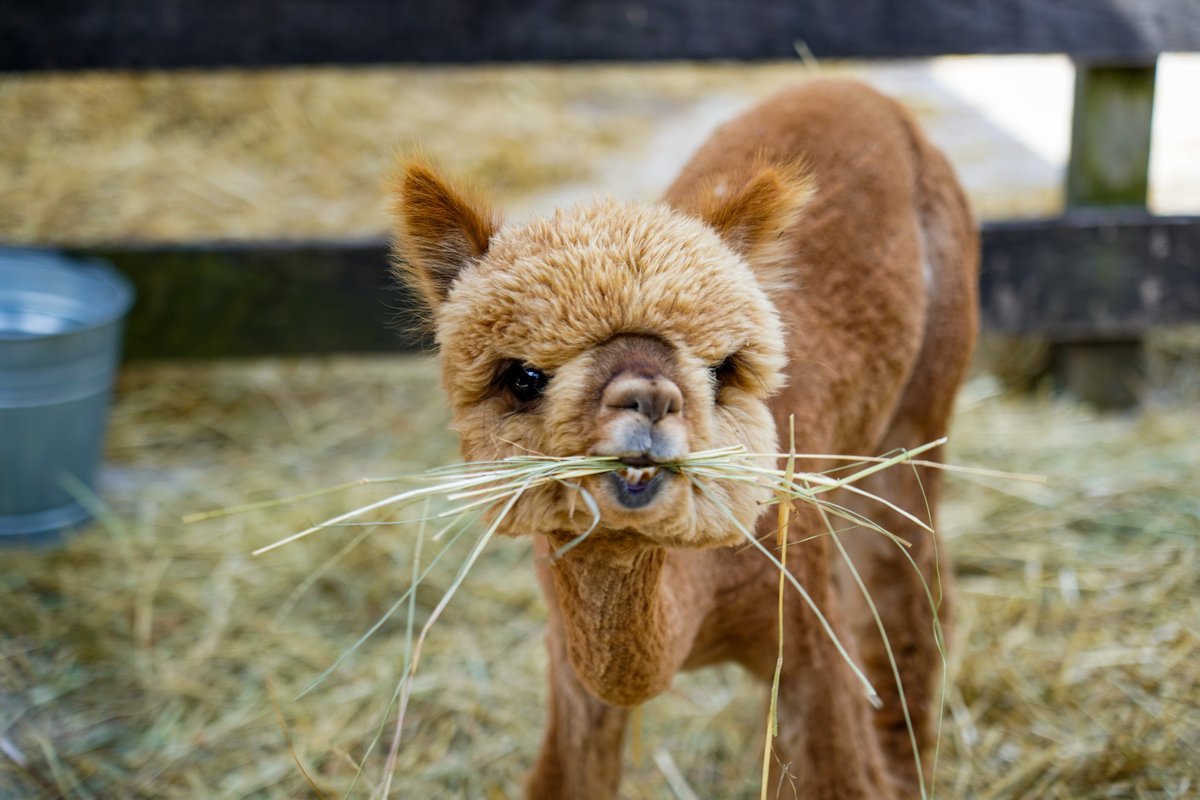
842, 294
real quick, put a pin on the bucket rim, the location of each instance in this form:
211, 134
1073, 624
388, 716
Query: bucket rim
104, 311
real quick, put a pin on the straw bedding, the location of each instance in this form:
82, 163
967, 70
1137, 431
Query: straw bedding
299, 153
153, 659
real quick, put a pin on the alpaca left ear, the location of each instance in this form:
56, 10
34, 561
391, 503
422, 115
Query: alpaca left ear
438, 231
754, 217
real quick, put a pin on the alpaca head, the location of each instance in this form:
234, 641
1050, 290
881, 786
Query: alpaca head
635, 331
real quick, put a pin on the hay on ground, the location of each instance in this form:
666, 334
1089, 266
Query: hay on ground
299, 153
140, 661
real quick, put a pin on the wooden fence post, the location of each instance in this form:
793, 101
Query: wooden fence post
1109, 166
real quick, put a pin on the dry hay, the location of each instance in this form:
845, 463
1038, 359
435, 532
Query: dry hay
299, 153
141, 660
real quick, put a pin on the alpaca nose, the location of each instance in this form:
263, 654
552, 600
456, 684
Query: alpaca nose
653, 398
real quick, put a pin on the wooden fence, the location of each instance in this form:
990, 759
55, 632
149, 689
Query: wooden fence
1105, 271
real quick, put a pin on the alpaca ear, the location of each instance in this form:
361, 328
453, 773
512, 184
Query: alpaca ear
753, 216
438, 231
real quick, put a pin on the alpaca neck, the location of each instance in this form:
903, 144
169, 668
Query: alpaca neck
629, 615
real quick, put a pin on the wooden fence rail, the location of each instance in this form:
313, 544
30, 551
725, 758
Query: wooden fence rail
141, 34
1067, 278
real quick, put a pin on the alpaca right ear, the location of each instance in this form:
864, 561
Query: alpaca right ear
438, 231
753, 213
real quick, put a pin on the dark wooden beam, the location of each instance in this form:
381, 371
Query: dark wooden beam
151, 34
262, 298
1092, 275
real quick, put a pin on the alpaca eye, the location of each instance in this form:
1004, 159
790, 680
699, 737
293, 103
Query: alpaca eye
525, 382
723, 373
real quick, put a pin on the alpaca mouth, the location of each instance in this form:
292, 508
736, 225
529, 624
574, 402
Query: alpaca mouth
635, 487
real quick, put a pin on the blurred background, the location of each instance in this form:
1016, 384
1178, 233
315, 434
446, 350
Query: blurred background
235, 178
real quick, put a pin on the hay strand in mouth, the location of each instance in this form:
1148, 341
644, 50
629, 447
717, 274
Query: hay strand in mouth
784, 521
486, 485
407, 597
262, 505
872, 695
389, 769
492, 482
414, 662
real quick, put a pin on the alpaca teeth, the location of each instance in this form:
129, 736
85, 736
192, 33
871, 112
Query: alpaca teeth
638, 475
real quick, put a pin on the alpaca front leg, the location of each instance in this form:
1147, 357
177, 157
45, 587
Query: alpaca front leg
826, 748
581, 750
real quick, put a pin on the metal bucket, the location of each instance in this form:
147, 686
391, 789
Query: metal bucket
60, 335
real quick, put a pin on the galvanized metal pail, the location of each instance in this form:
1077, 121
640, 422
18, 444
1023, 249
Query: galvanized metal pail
60, 334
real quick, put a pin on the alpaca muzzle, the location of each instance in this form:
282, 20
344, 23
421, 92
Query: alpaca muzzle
642, 420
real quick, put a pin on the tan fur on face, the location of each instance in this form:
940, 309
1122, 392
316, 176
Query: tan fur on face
553, 291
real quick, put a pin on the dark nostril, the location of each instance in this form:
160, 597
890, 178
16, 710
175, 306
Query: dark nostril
653, 398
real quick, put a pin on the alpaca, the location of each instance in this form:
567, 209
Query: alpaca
816, 261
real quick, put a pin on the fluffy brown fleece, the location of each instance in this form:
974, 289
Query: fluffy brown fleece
815, 259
